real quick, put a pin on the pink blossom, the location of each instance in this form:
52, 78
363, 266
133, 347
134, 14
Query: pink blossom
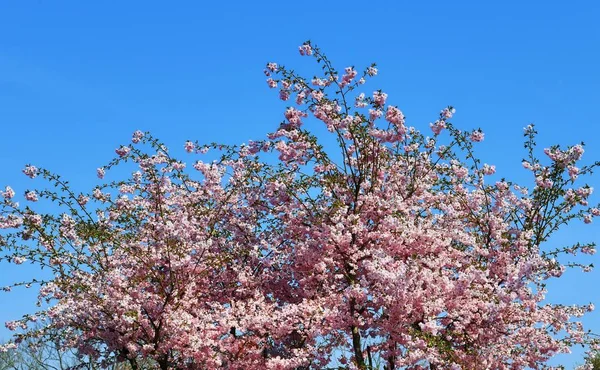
82, 199
394, 116
12, 325
100, 172
544, 182
379, 98
360, 101
348, 76
588, 249
447, 113
317, 95
122, 151
18, 260
555, 154
460, 172
30, 171
576, 152
9, 193
31, 196
294, 117
477, 136
489, 170
272, 83
573, 172
305, 49
375, 114
284, 94
34, 219
437, 126
502, 185
272, 67
7, 347
137, 136
97, 194
585, 191
319, 82
300, 98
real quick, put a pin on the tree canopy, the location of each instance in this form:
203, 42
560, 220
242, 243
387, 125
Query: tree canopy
391, 250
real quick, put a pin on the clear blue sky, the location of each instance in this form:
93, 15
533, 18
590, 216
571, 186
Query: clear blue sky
77, 78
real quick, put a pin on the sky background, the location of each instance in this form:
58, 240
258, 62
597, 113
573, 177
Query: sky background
77, 78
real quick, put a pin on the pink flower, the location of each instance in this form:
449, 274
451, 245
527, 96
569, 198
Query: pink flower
305, 49
437, 126
360, 101
31, 196
18, 260
100, 172
294, 117
372, 71
9, 193
123, 151
576, 152
394, 116
588, 249
34, 219
284, 94
374, 114
7, 347
379, 98
272, 83
348, 76
502, 185
585, 191
300, 98
489, 170
477, 136
555, 154
30, 171
179, 166
137, 136
189, 146
82, 199
319, 82
272, 67
573, 172
460, 172
97, 194
12, 325
543, 182
317, 95
447, 113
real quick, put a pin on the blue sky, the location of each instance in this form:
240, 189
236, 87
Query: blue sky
77, 78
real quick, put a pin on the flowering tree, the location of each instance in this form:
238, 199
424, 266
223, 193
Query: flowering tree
389, 250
